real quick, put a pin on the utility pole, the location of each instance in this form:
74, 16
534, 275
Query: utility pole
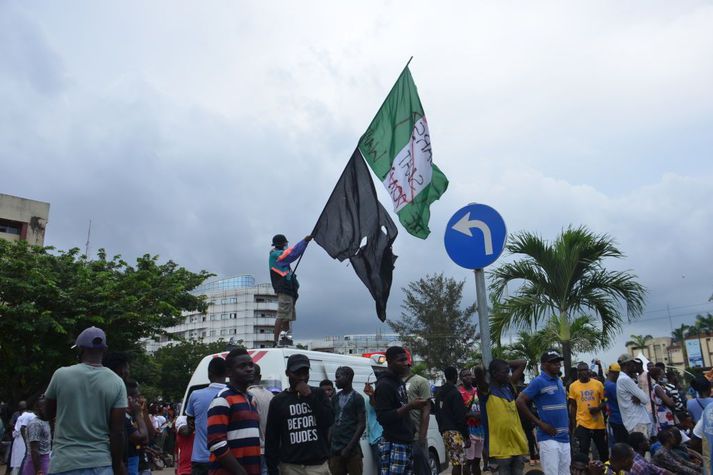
89, 233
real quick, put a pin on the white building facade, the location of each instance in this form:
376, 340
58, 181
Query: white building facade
356, 344
239, 311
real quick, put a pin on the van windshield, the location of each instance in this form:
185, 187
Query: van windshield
272, 385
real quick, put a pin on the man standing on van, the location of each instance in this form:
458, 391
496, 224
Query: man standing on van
392, 410
89, 402
298, 423
284, 283
197, 412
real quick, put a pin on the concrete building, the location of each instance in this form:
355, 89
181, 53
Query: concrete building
23, 219
355, 344
239, 311
663, 350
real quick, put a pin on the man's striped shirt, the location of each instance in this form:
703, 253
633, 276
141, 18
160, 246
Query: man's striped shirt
234, 427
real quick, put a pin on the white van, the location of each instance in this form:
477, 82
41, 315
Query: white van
323, 366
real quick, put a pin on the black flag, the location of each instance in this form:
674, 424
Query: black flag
355, 226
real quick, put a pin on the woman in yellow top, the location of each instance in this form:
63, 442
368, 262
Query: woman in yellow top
504, 437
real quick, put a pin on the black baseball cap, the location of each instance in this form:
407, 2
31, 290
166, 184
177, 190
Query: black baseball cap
296, 362
550, 355
279, 240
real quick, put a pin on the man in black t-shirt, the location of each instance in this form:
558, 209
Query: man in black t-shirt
349, 424
298, 423
392, 411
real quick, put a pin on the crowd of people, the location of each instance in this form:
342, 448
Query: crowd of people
632, 420
92, 420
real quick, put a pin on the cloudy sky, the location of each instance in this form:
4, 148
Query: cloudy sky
198, 130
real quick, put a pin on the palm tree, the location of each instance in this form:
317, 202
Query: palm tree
530, 346
680, 333
565, 278
703, 324
584, 337
679, 336
639, 342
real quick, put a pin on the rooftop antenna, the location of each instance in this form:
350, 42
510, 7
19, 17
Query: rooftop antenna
89, 234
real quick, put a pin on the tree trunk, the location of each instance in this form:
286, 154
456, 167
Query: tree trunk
567, 363
565, 339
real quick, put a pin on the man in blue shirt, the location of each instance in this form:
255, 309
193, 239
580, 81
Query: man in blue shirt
550, 398
704, 431
197, 412
616, 424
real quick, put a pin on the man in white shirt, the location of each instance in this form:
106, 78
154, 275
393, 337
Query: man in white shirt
18, 446
632, 399
262, 398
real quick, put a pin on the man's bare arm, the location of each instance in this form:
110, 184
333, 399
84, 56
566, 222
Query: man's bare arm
117, 435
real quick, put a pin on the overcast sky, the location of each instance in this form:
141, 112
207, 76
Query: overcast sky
197, 130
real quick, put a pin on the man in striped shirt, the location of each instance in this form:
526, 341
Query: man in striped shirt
233, 421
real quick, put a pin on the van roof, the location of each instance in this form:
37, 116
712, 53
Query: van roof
259, 353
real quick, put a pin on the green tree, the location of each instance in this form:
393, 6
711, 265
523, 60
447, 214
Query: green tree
678, 336
703, 324
639, 341
147, 372
584, 337
176, 363
562, 279
529, 346
47, 297
433, 324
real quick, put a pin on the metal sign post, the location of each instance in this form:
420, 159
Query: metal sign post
475, 237
482, 300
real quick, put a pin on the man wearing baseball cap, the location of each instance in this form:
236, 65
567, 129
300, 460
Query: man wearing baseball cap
298, 423
615, 422
89, 402
550, 398
631, 398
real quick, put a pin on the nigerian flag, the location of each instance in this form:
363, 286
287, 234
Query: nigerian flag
397, 147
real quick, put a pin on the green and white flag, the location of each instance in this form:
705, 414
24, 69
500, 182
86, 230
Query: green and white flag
397, 147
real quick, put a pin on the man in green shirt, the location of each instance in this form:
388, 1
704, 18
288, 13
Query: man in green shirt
417, 387
89, 403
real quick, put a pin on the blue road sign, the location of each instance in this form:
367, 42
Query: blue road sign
475, 236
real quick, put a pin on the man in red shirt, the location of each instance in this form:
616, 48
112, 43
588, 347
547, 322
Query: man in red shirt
184, 446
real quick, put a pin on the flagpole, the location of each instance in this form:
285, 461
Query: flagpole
297, 264
314, 229
389, 93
